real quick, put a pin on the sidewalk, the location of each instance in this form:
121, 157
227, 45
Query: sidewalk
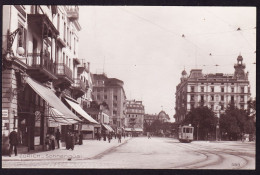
90, 149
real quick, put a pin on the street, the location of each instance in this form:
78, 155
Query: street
143, 153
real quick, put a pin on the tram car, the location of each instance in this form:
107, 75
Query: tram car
186, 133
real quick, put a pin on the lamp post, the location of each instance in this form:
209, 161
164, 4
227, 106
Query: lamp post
9, 55
217, 125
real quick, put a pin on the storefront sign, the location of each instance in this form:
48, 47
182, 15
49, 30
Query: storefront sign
87, 128
37, 140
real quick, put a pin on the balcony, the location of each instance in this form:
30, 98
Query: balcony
64, 75
41, 67
73, 12
79, 87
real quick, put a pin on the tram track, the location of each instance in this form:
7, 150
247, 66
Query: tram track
209, 155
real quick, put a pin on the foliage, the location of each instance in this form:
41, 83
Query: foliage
235, 122
204, 121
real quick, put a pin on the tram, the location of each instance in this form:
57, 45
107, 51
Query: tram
186, 133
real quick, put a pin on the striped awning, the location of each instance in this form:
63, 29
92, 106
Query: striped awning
53, 101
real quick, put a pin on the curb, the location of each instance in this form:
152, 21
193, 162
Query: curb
65, 157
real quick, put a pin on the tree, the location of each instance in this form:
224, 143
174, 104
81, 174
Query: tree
156, 126
235, 122
204, 121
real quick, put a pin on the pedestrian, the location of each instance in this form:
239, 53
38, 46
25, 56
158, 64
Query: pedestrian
68, 140
47, 141
119, 137
52, 140
109, 137
13, 141
115, 135
149, 135
104, 136
80, 139
57, 136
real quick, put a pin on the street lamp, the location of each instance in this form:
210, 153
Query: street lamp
217, 125
9, 55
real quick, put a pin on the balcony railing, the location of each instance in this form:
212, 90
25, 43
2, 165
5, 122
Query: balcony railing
40, 60
78, 83
63, 70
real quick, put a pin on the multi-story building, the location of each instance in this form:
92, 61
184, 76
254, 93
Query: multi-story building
39, 55
149, 118
163, 117
134, 120
111, 91
216, 91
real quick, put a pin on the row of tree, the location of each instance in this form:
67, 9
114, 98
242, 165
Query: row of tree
232, 124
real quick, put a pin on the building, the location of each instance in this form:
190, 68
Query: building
134, 121
149, 118
215, 91
163, 117
111, 91
39, 73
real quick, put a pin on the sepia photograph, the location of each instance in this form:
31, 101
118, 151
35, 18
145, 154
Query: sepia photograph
129, 87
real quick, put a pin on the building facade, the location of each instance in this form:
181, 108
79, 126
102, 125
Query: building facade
134, 115
163, 117
111, 91
40, 60
215, 91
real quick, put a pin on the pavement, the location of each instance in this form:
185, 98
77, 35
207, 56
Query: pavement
89, 150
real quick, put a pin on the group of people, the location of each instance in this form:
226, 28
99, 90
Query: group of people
50, 140
109, 136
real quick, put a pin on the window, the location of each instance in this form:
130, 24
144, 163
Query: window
98, 97
202, 98
105, 97
212, 89
242, 106
202, 88
222, 107
241, 98
242, 89
22, 38
58, 22
192, 88
63, 58
192, 98
212, 107
192, 106
222, 97
232, 98
212, 97
114, 112
115, 97
115, 104
64, 32
222, 89
232, 89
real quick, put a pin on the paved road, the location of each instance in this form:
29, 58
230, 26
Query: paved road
156, 153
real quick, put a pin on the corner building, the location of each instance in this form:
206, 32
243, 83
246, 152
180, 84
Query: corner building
215, 91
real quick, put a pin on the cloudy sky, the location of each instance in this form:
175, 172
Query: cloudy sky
148, 47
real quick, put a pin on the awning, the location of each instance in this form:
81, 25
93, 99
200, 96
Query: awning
80, 111
108, 128
57, 117
49, 96
134, 129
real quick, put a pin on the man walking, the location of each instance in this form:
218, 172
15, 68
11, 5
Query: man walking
57, 137
119, 137
13, 141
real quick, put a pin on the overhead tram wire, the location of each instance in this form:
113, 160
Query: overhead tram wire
183, 36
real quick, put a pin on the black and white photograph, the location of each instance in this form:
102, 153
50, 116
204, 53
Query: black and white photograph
129, 87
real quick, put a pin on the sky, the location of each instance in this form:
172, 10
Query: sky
147, 47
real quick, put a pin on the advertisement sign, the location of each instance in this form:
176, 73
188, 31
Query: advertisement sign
4, 112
